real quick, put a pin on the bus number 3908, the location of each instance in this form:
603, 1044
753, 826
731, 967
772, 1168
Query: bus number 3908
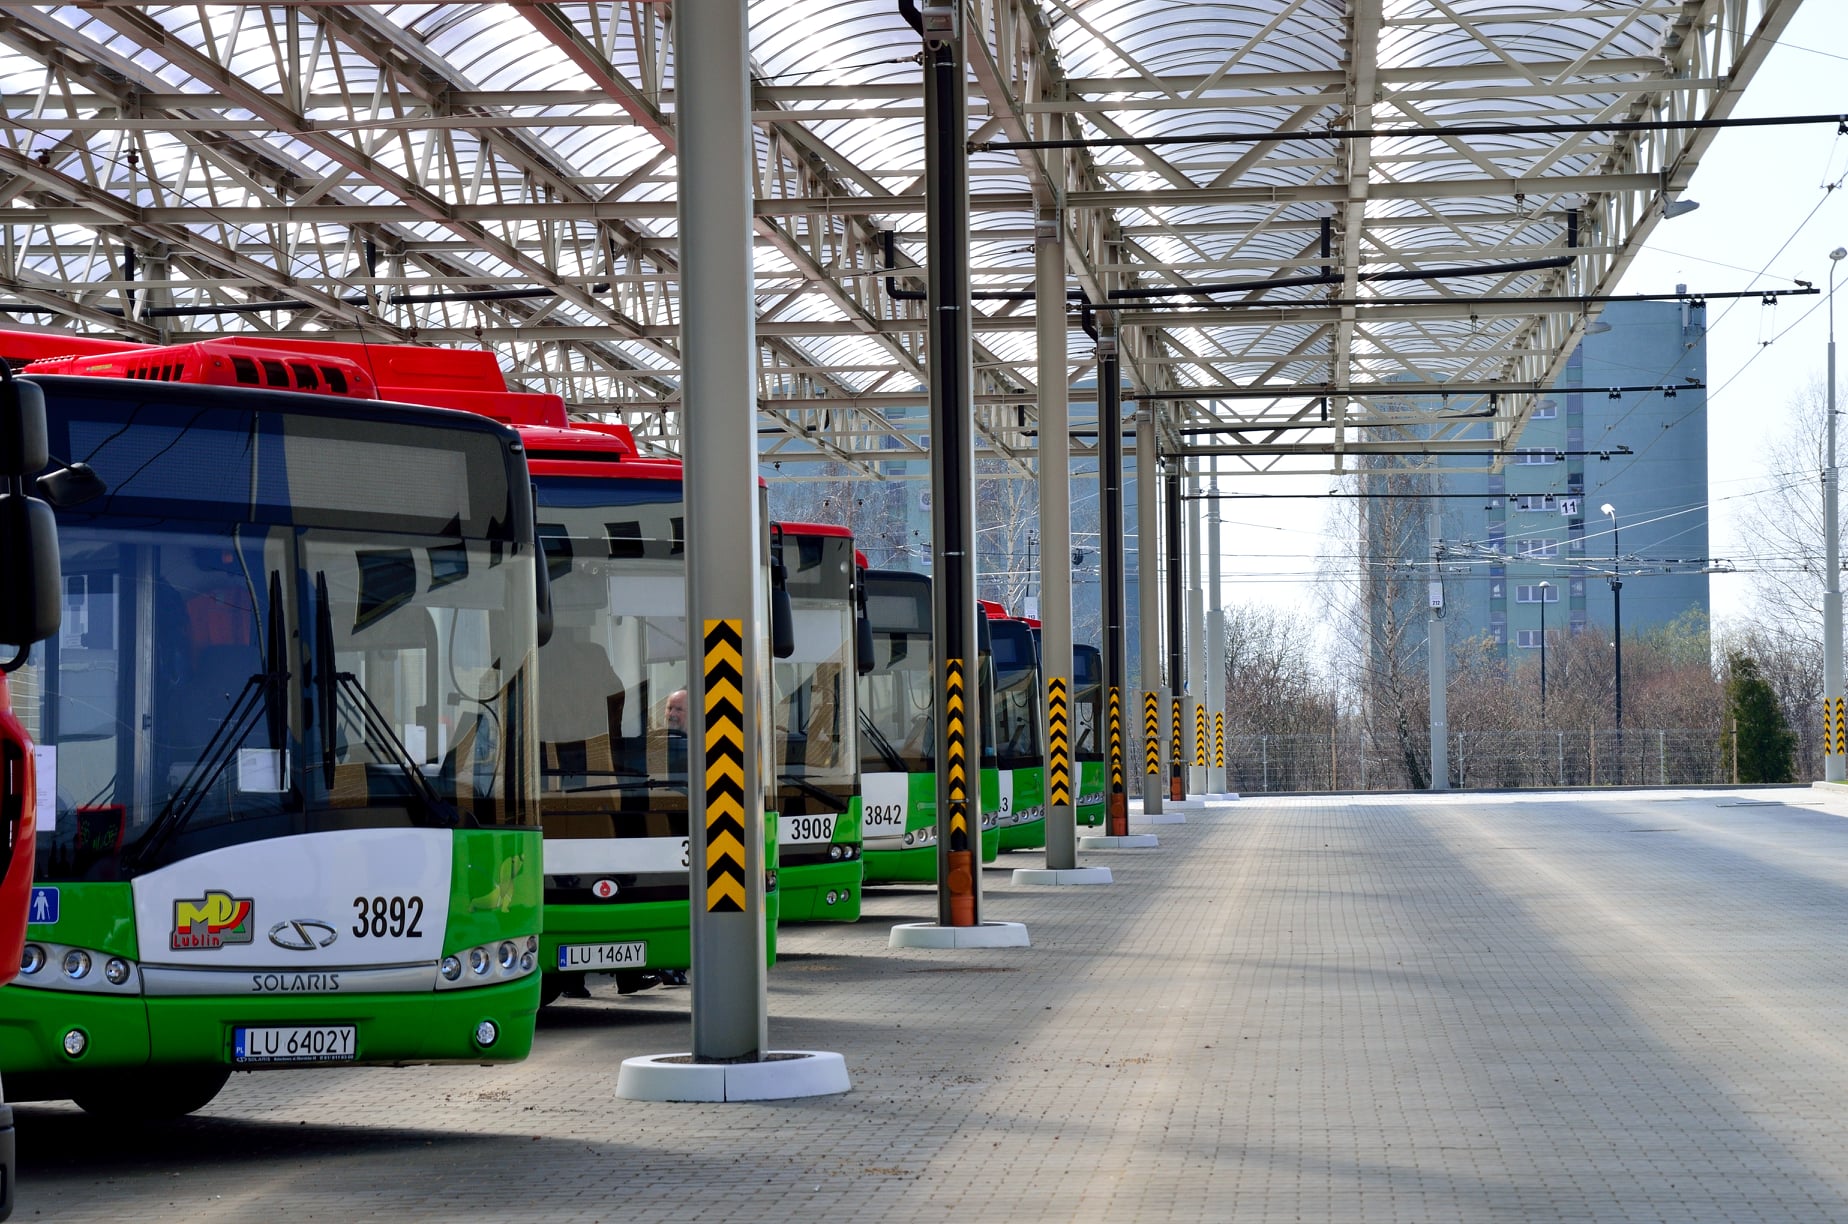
394, 916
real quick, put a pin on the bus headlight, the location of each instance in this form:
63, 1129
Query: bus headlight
834, 852
478, 960
527, 961
486, 1034
76, 964
451, 968
76, 1041
116, 970
32, 960
509, 955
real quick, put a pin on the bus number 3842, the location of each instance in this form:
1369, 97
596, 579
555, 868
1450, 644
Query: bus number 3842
394, 916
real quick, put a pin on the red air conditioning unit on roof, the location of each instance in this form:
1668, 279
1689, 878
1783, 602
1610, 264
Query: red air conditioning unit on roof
227, 362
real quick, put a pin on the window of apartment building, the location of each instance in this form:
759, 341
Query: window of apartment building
1532, 455
1537, 547
1577, 588
1534, 502
1527, 639
1536, 593
1545, 410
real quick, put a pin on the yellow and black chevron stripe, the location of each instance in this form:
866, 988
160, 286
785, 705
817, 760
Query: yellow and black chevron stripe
1835, 726
1175, 733
1116, 739
1219, 740
1200, 735
1151, 731
1058, 744
1828, 726
725, 836
956, 733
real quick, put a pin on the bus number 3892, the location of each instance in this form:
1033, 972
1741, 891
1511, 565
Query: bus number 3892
394, 916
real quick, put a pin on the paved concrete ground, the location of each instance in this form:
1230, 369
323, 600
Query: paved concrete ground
1489, 1007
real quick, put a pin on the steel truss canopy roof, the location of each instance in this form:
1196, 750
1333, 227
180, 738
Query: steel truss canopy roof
503, 175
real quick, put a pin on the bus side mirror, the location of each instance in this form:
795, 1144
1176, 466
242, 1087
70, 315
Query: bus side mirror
862, 625
30, 609
782, 616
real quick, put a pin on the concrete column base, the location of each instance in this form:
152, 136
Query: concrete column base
1134, 841
1062, 875
987, 935
1223, 797
780, 1075
1165, 818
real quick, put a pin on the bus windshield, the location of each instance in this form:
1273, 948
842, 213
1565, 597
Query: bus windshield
1016, 725
818, 752
613, 678
247, 665
895, 697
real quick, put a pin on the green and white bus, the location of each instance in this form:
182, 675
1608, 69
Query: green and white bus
1088, 730
819, 843
613, 686
898, 778
289, 797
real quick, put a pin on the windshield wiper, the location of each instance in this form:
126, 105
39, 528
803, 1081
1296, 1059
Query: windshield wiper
330, 683
892, 756
819, 792
266, 690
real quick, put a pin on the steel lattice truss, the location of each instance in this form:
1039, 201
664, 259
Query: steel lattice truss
504, 175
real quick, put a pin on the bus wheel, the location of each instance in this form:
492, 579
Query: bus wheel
152, 1095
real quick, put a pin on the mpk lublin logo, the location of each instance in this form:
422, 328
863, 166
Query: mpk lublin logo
212, 921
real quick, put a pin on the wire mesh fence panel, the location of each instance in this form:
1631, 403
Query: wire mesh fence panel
1511, 759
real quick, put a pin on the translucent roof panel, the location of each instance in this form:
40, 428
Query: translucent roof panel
1275, 202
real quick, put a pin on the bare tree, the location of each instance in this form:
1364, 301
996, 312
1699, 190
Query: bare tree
1379, 621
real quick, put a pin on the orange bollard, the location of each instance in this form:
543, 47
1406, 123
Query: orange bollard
1119, 814
962, 888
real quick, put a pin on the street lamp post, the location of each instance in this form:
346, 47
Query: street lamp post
1544, 588
1834, 764
1610, 512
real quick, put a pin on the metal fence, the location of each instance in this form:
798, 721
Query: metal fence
1358, 761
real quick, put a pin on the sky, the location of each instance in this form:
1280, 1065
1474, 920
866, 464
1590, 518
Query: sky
1765, 220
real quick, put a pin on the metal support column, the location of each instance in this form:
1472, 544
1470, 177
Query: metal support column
1220, 778
1119, 708
952, 467
727, 680
1055, 524
1148, 601
1177, 637
1834, 762
1437, 656
1200, 751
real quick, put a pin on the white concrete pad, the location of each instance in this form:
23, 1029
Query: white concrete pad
1062, 875
986, 935
1133, 841
1165, 818
1223, 797
781, 1075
